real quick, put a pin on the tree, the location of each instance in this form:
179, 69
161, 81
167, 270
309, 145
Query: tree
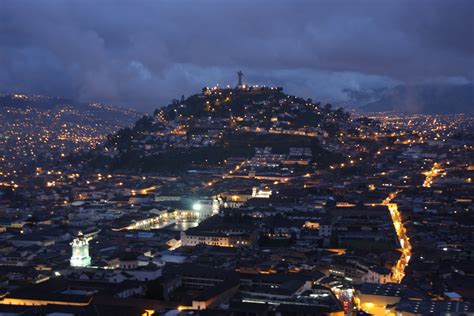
144, 124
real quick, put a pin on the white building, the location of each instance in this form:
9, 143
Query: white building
261, 193
80, 251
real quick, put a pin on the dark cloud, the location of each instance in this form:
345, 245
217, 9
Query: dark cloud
143, 53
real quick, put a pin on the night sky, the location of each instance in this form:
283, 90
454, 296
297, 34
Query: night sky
142, 54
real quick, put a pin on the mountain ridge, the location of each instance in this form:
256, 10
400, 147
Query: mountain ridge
425, 99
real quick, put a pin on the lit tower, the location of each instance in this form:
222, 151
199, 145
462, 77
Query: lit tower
240, 74
80, 251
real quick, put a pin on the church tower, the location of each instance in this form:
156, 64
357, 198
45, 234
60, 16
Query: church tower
80, 251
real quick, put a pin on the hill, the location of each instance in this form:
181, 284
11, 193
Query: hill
95, 111
220, 123
41, 128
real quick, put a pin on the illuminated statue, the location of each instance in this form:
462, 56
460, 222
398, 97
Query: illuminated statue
80, 251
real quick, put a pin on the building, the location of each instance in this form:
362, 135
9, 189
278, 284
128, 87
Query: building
80, 251
264, 193
377, 299
215, 232
426, 307
194, 237
207, 286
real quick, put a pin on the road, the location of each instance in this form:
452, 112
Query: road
398, 271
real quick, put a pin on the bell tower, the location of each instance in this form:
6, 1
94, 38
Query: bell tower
80, 251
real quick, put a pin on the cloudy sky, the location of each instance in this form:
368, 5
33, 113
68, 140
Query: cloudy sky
142, 54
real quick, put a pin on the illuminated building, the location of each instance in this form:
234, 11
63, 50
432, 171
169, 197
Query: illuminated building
214, 232
80, 251
261, 193
376, 298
